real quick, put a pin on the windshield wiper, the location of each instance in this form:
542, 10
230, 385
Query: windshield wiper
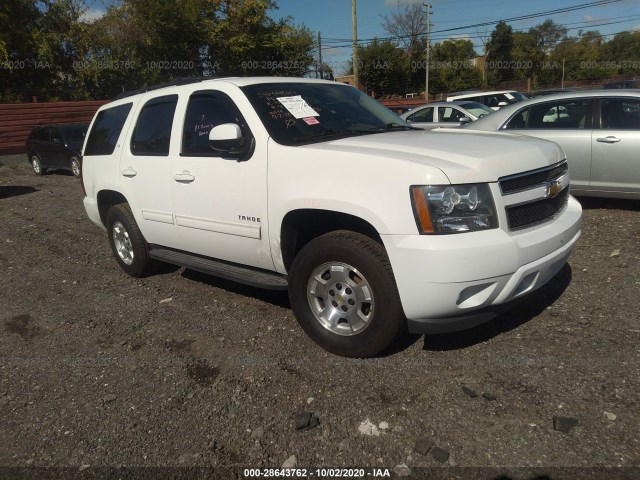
330, 132
397, 126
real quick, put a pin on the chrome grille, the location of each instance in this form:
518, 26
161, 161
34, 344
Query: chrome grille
532, 179
536, 196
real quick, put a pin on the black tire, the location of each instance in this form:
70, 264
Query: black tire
36, 164
368, 258
133, 254
75, 166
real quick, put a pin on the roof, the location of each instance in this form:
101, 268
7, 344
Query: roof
495, 120
445, 103
58, 125
238, 81
476, 94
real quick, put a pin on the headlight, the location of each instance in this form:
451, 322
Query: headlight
453, 208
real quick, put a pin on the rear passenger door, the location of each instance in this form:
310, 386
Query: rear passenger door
57, 149
44, 147
220, 201
145, 170
616, 147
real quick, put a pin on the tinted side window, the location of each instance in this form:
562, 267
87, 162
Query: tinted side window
106, 130
519, 120
424, 115
152, 134
621, 114
559, 115
43, 135
55, 136
493, 100
448, 114
34, 134
205, 111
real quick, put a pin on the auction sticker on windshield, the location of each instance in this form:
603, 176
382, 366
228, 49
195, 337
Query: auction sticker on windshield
298, 107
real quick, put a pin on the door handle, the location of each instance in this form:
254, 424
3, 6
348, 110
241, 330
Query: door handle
129, 172
184, 177
609, 139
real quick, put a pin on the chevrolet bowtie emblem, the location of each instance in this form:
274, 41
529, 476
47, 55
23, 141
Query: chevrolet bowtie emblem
553, 188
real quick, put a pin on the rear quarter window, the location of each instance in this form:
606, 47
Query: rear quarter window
106, 130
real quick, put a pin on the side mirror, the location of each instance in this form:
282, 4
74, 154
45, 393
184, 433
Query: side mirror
228, 138
464, 120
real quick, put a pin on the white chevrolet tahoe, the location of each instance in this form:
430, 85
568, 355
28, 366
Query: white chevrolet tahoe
314, 187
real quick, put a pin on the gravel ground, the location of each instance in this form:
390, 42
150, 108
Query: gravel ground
184, 370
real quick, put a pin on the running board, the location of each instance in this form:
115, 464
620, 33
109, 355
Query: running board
219, 268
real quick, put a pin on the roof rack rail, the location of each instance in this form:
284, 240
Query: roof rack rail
464, 92
171, 83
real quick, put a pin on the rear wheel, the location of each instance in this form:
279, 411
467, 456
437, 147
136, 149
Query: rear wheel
127, 243
344, 294
37, 165
74, 163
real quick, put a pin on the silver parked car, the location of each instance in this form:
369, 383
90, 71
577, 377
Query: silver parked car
445, 114
598, 130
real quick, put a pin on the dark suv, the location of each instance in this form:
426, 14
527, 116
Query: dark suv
56, 147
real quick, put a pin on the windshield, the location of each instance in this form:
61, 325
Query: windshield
515, 97
477, 109
74, 133
302, 113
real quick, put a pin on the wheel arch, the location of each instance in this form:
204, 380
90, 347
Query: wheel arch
301, 226
106, 200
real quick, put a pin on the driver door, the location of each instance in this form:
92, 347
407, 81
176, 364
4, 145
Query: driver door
220, 201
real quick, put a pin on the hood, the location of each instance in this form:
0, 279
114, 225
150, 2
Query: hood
463, 156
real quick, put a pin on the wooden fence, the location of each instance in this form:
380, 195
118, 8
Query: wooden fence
17, 120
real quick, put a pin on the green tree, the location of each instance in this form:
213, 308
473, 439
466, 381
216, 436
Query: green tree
500, 54
582, 57
528, 56
245, 40
623, 53
452, 66
381, 68
144, 42
63, 39
20, 43
548, 34
50, 52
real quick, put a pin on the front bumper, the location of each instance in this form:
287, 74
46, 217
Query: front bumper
453, 282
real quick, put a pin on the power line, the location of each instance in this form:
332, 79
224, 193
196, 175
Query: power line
493, 22
580, 26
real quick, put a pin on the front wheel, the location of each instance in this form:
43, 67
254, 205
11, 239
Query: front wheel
127, 243
344, 295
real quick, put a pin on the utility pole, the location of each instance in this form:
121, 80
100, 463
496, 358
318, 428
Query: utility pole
354, 22
563, 73
428, 50
319, 70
